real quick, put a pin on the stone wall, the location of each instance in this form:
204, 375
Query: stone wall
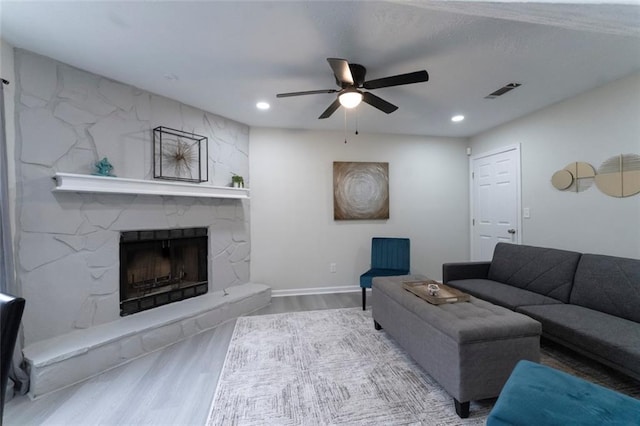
67, 243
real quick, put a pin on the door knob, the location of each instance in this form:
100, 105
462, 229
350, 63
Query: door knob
511, 231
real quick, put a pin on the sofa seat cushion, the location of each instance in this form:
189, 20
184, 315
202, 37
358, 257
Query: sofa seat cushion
606, 336
501, 294
465, 322
546, 271
608, 284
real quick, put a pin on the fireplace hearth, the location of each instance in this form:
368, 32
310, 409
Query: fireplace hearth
161, 266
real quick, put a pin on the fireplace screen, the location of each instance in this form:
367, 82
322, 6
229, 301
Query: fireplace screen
161, 266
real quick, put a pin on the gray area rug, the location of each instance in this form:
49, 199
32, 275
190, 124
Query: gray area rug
331, 367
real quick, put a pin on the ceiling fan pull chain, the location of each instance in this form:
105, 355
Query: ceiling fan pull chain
356, 121
345, 125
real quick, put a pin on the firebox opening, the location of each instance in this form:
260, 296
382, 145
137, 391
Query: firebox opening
161, 266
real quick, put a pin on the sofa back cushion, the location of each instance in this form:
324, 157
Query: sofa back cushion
608, 284
544, 271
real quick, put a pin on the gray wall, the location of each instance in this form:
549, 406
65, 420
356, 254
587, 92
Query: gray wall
293, 235
67, 243
591, 127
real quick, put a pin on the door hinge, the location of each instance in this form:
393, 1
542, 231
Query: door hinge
473, 222
473, 175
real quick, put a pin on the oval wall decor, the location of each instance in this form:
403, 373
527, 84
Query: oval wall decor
562, 179
620, 176
577, 176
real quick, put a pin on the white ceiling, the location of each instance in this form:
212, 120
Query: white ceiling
229, 55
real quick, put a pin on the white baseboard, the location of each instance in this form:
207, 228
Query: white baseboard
314, 290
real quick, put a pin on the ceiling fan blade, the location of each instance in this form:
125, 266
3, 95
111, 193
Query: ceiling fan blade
378, 102
397, 80
341, 70
308, 92
332, 108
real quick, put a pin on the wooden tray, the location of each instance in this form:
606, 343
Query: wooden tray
445, 295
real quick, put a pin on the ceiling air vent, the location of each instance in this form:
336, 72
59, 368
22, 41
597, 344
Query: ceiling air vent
501, 91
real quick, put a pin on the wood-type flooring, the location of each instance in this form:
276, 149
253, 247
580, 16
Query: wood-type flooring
173, 386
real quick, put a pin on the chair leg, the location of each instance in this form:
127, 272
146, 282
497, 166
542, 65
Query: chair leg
364, 299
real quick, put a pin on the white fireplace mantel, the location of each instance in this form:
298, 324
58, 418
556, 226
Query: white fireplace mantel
70, 182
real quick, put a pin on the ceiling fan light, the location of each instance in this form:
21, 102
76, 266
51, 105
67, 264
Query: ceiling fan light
350, 99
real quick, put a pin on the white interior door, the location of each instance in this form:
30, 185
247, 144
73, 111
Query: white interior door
495, 201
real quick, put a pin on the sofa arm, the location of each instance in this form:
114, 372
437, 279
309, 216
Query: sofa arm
464, 270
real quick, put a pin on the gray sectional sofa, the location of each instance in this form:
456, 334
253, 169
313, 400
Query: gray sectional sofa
589, 303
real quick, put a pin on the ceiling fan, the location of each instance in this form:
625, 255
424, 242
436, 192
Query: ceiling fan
350, 78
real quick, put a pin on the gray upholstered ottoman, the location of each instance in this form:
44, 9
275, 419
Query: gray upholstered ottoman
470, 348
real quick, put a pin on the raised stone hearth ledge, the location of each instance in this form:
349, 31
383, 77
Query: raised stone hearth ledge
65, 360
71, 182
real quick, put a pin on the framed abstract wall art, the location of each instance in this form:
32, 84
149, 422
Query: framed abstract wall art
360, 190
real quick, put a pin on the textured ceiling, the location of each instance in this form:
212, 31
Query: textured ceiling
229, 55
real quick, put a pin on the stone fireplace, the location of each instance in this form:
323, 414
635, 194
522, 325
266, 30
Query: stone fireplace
68, 241
161, 266
68, 255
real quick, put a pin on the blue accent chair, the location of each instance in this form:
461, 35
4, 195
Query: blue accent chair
389, 257
537, 395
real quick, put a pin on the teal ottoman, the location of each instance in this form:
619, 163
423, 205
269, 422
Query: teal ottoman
538, 395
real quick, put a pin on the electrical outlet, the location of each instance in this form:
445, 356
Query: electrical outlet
332, 268
526, 213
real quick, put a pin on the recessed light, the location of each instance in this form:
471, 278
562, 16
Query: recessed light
263, 105
457, 118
